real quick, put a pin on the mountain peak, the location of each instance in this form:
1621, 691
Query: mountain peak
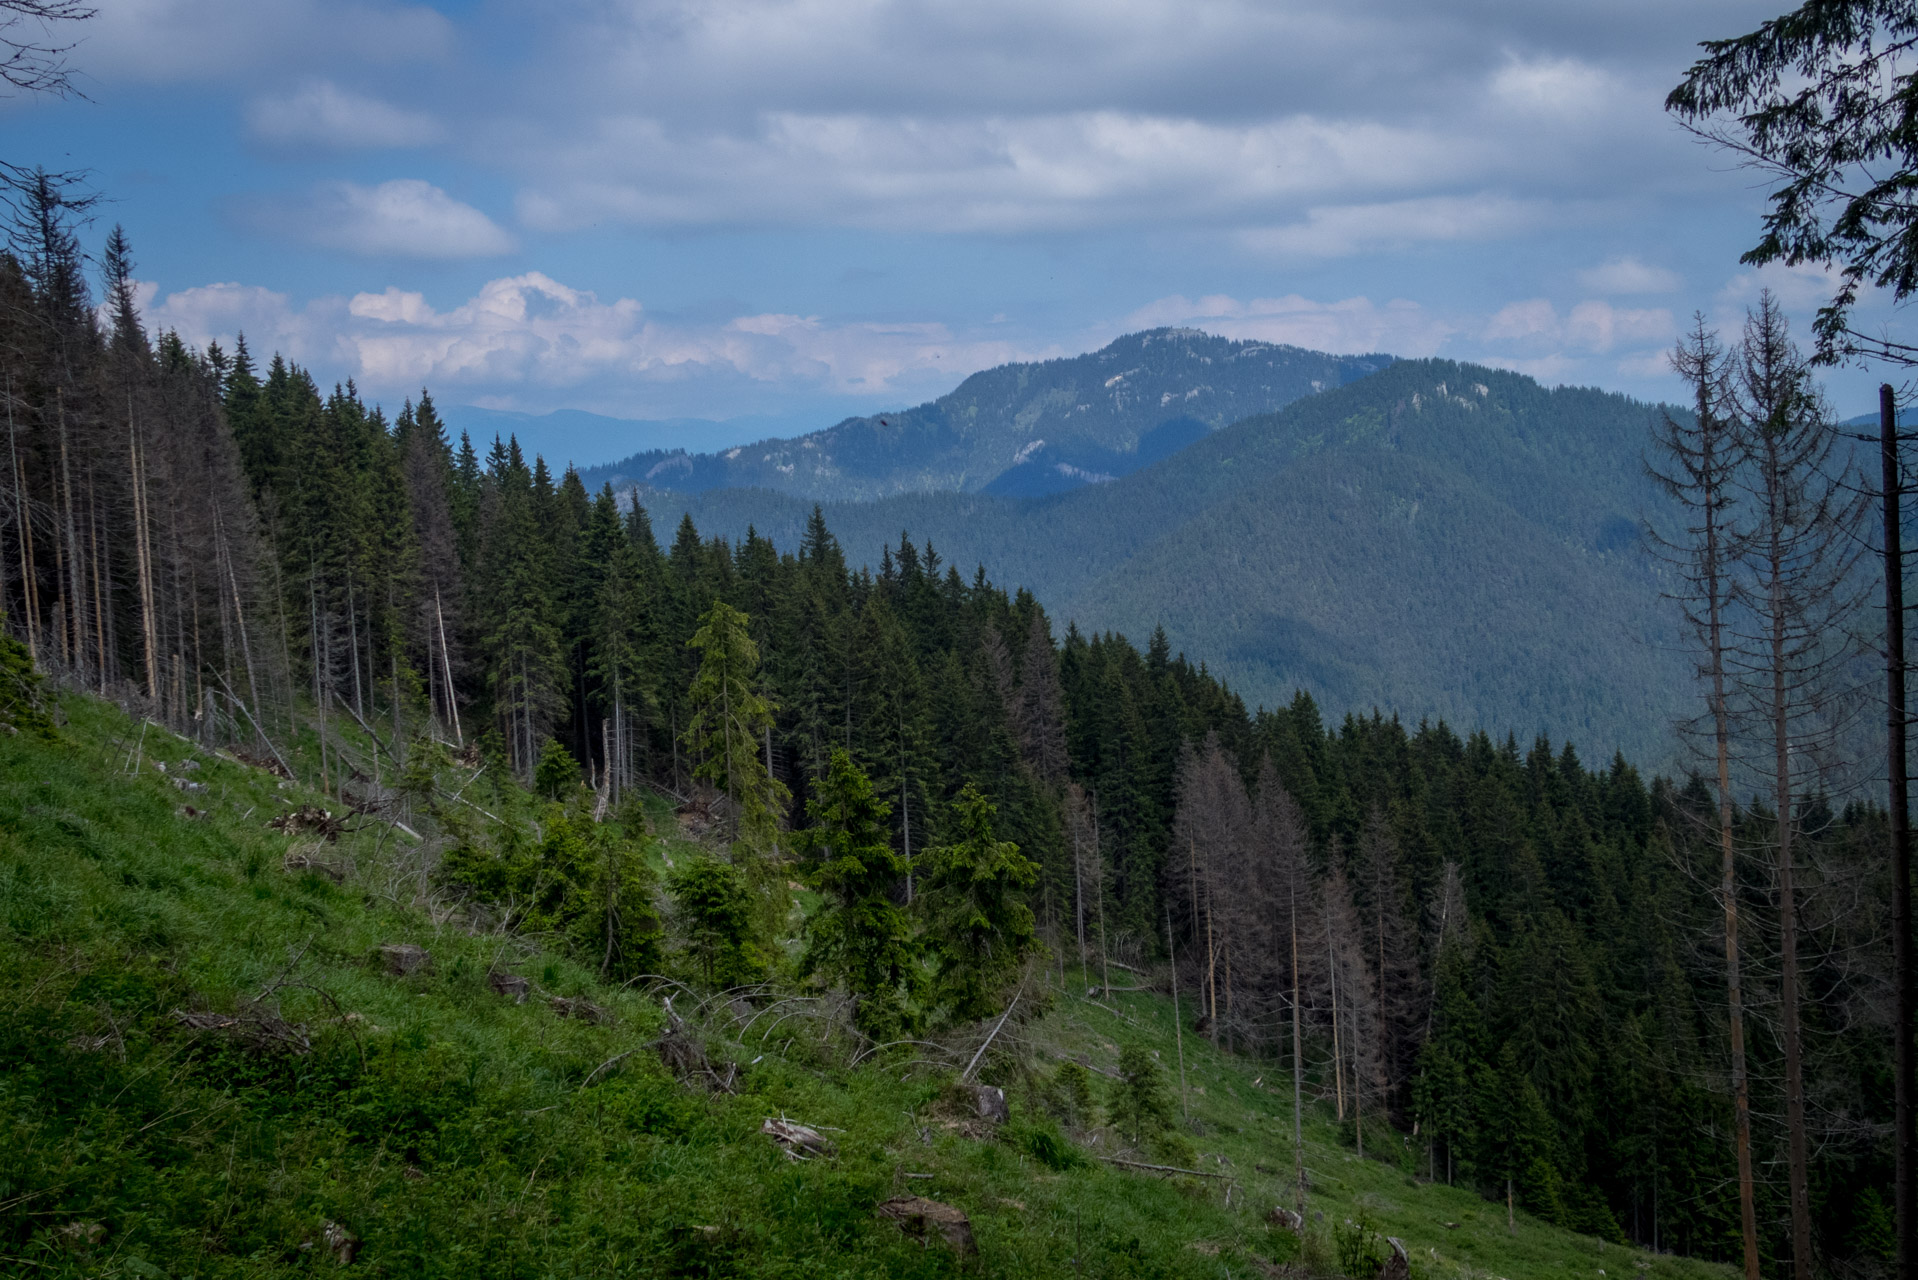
1025, 428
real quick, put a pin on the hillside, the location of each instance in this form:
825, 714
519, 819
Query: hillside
1021, 429
426, 1125
1435, 540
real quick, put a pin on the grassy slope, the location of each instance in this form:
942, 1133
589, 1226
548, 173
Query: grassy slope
459, 1134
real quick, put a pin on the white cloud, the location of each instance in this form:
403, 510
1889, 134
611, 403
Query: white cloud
1352, 326
1532, 318
1599, 326
1629, 275
404, 218
220, 312
1318, 130
1555, 86
321, 113
530, 334
971, 174
1592, 326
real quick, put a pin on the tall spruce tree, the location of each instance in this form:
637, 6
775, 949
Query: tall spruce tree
860, 938
978, 923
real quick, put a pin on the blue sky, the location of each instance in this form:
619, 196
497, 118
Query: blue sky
804, 208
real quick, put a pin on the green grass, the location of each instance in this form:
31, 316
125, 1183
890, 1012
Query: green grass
455, 1133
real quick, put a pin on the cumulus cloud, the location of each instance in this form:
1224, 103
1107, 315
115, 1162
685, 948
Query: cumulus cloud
1352, 326
1593, 326
530, 334
321, 113
404, 218
1628, 275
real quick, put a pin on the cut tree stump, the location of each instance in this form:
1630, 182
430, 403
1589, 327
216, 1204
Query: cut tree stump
989, 1103
1398, 1266
923, 1218
340, 1242
584, 1010
403, 958
1287, 1218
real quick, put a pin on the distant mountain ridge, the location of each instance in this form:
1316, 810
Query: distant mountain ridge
1021, 429
1436, 539
565, 436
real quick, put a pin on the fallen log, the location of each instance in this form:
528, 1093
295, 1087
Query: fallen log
1159, 1168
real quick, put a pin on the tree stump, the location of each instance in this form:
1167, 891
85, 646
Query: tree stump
403, 958
920, 1217
989, 1104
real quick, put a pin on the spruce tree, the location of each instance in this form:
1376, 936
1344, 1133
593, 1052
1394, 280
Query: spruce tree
714, 910
978, 922
730, 718
860, 938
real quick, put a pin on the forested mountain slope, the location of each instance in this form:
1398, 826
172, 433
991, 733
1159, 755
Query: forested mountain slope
1022, 429
1496, 960
1436, 540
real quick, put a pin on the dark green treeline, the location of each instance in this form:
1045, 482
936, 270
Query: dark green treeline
1506, 954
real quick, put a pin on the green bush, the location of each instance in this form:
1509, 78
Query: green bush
1043, 1141
21, 707
585, 882
1360, 1248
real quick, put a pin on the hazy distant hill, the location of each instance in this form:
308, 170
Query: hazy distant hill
1436, 539
1022, 429
574, 435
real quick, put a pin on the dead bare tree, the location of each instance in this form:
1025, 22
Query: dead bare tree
1353, 1001
1279, 827
1790, 642
1088, 873
1695, 462
1397, 991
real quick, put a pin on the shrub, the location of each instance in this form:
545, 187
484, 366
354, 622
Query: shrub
20, 704
1141, 1104
1044, 1142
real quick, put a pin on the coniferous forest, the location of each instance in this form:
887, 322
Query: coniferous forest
1499, 964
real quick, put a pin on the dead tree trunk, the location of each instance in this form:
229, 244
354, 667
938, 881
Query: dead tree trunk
1697, 462
1904, 977
1802, 597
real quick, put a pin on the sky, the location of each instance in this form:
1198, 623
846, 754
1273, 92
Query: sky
786, 211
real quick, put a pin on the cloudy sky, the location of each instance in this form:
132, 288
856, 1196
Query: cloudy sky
802, 208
